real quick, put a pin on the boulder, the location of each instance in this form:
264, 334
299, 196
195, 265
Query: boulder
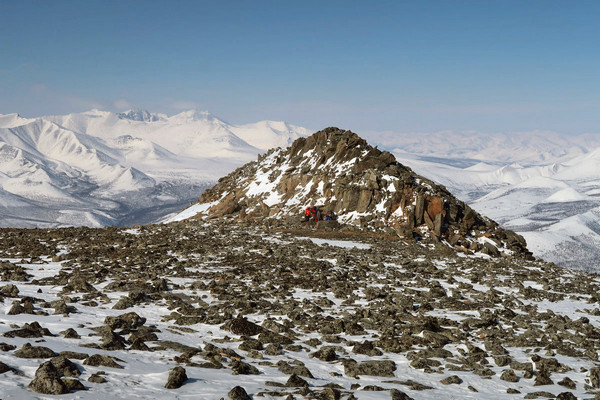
177, 377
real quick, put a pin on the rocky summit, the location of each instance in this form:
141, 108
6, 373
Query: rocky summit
363, 186
240, 299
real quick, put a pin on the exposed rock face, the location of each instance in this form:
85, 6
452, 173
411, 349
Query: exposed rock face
177, 378
363, 186
47, 380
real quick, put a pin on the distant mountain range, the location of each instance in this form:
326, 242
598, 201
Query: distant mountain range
542, 185
101, 168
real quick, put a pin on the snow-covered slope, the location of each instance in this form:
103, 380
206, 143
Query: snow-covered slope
551, 197
190, 133
97, 167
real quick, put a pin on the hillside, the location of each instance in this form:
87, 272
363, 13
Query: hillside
365, 187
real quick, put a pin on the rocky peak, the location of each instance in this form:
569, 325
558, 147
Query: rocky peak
138, 115
364, 186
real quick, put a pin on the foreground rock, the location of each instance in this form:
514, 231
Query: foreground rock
177, 378
47, 380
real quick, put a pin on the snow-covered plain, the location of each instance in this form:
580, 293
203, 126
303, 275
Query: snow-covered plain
101, 168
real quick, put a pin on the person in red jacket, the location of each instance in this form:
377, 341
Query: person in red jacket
307, 214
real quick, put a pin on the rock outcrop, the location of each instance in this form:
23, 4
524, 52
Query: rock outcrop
364, 186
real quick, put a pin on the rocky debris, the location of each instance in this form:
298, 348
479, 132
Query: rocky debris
47, 380
241, 326
99, 360
296, 381
70, 333
390, 300
399, 395
367, 348
452, 380
177, 378
536, 395
243, 368
110, 339
13, 272
65, 366
74, 355
73, 384
509, 375
542, 377
9, 291
5, 368
6, 346
238, 393
595, 377
325, 354
370, 368
29, 351
298, 369
125, 321
32, 330
24, 306
97, 377
566, 396
567, 382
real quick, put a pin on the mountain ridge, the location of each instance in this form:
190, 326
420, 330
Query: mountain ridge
60, 170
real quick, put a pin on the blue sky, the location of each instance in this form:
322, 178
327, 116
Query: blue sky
418, 66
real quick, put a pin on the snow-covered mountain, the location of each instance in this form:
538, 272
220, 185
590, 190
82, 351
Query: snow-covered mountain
102, 168
546, 187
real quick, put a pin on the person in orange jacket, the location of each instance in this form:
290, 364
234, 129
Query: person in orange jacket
307, 214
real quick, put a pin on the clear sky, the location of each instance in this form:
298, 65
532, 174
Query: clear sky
404, 66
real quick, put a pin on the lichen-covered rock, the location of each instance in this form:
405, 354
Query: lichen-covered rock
99, 360
177, 377
5, 368
370, 368
295, 381
47, 380
241, 326
97, 377
454, 379
31, 330
238, 393
29, 351
399, 395
65, 367
129, 320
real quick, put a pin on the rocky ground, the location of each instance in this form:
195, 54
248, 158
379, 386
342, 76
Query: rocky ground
229, 310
